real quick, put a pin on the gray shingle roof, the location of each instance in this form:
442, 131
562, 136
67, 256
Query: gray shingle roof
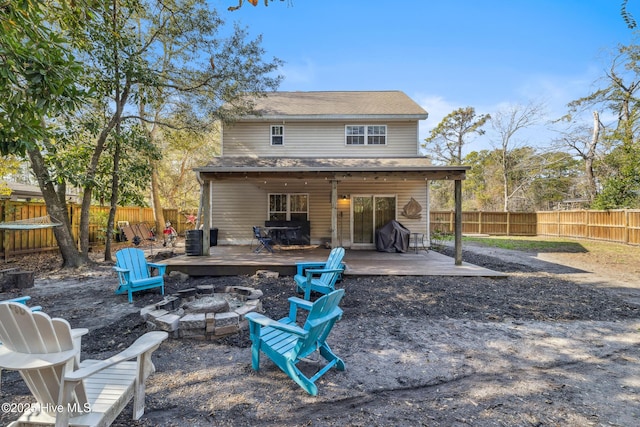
339, 103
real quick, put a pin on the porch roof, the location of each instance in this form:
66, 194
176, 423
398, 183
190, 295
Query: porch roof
330, 166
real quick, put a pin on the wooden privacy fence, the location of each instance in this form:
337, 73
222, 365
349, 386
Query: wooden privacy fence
494, 223
621, 226
14, 242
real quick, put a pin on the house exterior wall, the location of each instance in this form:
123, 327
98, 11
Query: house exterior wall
234, 216
317, 139
316, 128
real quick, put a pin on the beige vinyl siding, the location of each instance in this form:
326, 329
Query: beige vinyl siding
317, 139
245, 204
237, 205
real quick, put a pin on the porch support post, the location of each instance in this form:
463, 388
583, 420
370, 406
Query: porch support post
206, 220
334, 214
458, 222
427, 232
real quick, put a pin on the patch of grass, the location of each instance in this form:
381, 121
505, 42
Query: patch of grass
528, 244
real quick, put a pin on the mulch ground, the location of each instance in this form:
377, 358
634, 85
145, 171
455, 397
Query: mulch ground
419, 351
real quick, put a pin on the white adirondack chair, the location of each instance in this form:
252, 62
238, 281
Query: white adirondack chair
76, 333
92, 393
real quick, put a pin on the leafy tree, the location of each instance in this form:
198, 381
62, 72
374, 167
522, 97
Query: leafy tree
626, 15
200, 78
621, 188
542, 178
558, 179
483, 183
619, 170
183, 150
9, 166
38, 77
51, 52
147, 59
446, 140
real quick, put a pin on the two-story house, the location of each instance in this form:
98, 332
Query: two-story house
340, 164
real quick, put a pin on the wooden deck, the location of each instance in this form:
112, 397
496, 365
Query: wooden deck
241, 260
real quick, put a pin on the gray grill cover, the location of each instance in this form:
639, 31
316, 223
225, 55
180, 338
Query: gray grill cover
392, 237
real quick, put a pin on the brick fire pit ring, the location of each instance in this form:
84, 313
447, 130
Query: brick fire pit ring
204, 313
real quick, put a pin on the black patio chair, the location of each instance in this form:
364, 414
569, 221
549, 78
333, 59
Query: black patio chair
264, 242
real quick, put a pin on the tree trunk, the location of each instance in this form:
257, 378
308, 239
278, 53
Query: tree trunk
591, 154
57, 209
505, 181
114, 198
155, 197
158, 213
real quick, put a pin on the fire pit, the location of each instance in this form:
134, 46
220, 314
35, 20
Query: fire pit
204, 312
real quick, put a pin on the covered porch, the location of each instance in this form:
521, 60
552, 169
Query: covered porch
345, 200
241, 260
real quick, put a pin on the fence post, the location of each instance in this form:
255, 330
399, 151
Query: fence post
480, 222
626, 226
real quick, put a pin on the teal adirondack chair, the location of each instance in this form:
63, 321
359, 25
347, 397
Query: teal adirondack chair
319, 276
286, 343
23, 300
134, 272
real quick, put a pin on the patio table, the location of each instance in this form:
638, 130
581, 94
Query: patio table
281, 234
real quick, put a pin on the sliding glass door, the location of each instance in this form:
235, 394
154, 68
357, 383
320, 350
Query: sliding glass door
370, 212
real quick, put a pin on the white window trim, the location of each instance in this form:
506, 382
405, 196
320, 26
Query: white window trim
271, 135
366, 135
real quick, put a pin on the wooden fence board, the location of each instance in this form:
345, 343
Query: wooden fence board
621, 225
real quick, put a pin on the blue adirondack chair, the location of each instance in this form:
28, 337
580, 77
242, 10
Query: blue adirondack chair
286, 343
319, 276
134, 272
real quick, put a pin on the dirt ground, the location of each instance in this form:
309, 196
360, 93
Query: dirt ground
554, 344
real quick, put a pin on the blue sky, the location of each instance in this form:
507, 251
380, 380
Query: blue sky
444, 54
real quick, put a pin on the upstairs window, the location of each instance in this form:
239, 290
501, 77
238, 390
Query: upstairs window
355, 135
366, 135
277, 135
376, 135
